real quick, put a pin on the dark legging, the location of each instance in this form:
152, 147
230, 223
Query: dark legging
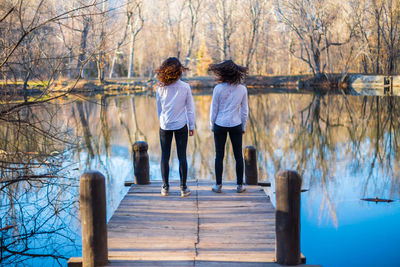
235, 134
181, 139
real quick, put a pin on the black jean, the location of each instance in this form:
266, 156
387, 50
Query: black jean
235, 134
181, 139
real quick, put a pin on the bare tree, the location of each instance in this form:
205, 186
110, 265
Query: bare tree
33, 143
376, 24
255, 12
82, 47
195, 8
136, 21
175, 16
378, 15
101, 57
390, 33
117, 49
363, 43
362, 37
222, 15
311, 21
29, 48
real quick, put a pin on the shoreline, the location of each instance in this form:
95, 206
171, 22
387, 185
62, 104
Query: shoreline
357, 84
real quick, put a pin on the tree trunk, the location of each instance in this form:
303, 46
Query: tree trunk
83, 44
225, 43
101, 62
70, 68
255, 10
178, 50
100, 68
24, 89
378, 51
113, 64
252, 46
131, 57
289, 66
365, 64
378, 40
317, 61
225, 32
193, 25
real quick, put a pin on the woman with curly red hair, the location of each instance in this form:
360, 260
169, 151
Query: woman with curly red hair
175, 109
229, 113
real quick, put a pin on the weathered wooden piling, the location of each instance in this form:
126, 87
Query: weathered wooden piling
92, 202
141, 162
250, 165
287, 217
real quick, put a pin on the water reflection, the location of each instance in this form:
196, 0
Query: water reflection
346, 148
325, 138
38, 211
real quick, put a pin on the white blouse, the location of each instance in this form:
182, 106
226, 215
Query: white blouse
229, 106
175, 106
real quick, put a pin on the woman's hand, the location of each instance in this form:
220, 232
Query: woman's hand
191, 132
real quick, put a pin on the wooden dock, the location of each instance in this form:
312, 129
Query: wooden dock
204, 229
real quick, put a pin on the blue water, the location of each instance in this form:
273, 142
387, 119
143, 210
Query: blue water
340, 162
367, 234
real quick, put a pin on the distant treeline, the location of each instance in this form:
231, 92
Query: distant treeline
47, 39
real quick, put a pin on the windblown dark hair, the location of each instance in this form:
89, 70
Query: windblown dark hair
228, 72
170, 71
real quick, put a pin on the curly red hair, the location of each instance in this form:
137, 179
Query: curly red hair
170, 71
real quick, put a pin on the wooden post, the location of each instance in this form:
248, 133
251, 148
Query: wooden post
287, 224
141, 162
250, 165
92, 199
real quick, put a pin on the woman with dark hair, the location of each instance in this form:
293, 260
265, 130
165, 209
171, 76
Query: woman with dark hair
229, 113
175, 109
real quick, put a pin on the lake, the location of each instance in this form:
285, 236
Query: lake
345, 147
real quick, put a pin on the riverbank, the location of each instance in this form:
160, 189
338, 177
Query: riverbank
355, 84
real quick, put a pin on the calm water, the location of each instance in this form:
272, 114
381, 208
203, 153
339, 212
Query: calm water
346, 148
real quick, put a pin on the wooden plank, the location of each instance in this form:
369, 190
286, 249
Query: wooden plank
156, 227
227, 226
205, 263
119, 244
150, 230
117, 262
156, 254
227, 242
205, 229
244, 246
261, 256
223, 238
215, 218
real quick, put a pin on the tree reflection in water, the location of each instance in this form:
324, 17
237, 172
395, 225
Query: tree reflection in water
38, 203
332, 140
323, 136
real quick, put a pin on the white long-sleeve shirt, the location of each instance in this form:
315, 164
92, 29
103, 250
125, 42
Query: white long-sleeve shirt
229, 106
175, 106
